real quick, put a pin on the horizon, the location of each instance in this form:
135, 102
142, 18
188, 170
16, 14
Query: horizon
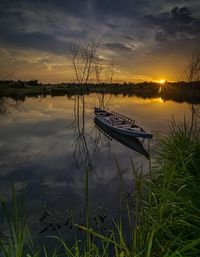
160, 82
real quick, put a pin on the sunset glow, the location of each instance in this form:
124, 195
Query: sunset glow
36, 44
162, 81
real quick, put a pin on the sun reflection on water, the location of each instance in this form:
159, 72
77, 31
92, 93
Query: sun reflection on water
142, 101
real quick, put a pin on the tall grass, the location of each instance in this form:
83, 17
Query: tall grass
174, 210
163, 211
16, 240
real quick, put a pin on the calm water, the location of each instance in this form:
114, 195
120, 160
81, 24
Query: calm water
49, 143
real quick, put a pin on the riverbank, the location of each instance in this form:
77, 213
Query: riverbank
179, 91
163, 210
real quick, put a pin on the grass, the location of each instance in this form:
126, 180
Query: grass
17, 237
163, 211
174, 209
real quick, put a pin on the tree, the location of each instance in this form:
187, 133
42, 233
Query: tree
110, 71
194, 68
193, 76
98, 68
83, 58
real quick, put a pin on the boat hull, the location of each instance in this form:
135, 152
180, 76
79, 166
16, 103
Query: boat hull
130, 142
125, 132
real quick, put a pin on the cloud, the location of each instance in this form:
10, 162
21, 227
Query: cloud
128, 37
33, 25
178, 1
36, 40
179, 22
117, 47
141, 28
120, 8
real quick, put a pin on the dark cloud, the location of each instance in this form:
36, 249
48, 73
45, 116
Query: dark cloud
117, 47
128, 37
160, 36
35, 40
75, 7
179, 21
119, 8
178, 1
112, 26
31, 25
48, 25
136, 27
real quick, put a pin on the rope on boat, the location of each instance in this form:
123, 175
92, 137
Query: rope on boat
122, 116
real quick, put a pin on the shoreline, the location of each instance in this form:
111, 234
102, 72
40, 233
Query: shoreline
179, 91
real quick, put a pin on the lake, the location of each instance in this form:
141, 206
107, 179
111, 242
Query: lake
52, 143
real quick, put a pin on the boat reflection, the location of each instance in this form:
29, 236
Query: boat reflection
131, 142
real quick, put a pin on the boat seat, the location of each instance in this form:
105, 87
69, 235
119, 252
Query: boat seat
116, 122
123, 126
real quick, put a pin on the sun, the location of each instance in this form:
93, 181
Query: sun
162, 81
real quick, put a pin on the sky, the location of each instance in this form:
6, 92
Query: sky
148, 40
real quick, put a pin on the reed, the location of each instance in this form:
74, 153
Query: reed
17, 239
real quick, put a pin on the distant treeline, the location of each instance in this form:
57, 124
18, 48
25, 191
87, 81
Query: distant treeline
177, 91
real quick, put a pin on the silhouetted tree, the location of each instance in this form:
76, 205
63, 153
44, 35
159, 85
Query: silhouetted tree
194, 68
110, 71
83, 57
194, 75
98, 68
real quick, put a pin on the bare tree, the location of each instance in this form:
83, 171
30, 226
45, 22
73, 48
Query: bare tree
83, 60
193, 76
86, 64
75, 49
194, 68
110, 71
98, 68
83, 57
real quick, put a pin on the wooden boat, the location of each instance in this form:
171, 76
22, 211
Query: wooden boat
131, 142
120, 123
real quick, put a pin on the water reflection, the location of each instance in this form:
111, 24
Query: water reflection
7, 105
81, 154
131, 142
55, 139
87, 143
